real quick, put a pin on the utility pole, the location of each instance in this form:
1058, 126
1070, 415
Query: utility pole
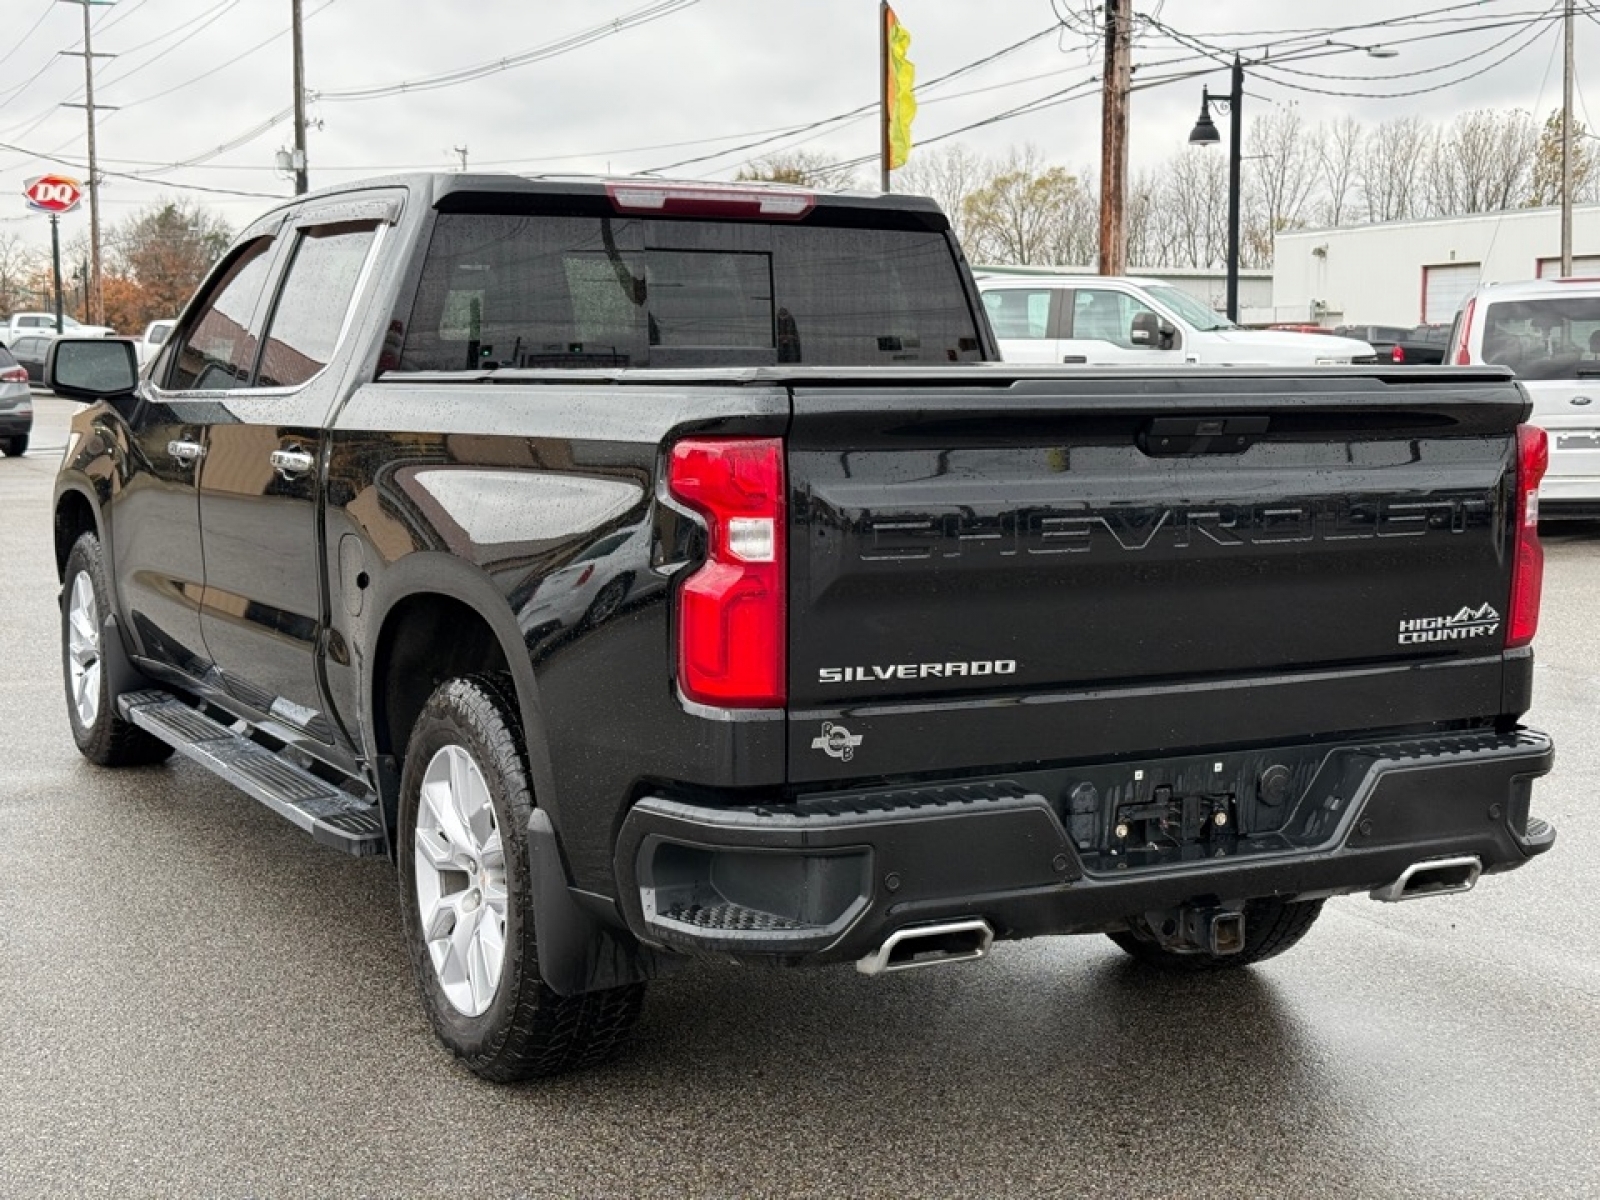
462, 151
94, 303
302, 177
1566, 149
1114, 139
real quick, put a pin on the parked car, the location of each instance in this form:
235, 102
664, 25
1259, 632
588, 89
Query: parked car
1420, 344
19, 323
1097, 320
155, 336
1548, 332
16, 406
30, 351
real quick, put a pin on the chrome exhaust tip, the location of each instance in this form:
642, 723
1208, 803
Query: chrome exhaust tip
1435, 877
929, 946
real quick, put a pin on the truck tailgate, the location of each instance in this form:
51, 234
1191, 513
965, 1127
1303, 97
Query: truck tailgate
1043, 568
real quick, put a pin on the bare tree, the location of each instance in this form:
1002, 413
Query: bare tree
1388, 168
1142, 223
19, 263
804, 168
1481, 163
1338, 158
1192, 208
949, 175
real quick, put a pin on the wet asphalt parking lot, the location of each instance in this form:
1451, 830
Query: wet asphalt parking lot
197, 1000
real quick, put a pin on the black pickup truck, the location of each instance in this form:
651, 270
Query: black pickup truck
657, 571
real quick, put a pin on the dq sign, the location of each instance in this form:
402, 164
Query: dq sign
53, 193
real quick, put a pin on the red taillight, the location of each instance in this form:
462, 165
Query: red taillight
1463, 334
731, 621
1398, 354
1527, 567
14, 375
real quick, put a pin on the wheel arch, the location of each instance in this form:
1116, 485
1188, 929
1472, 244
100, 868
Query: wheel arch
75, 515
444, 618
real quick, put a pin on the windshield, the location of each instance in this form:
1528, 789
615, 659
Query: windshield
1557, 338
1190, 309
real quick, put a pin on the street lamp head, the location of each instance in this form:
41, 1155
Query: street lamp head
1204, 132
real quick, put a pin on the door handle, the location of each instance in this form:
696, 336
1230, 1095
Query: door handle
185, 452
1076, 359
289, 463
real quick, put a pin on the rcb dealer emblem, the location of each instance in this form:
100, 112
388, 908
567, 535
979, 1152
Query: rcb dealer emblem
836, 742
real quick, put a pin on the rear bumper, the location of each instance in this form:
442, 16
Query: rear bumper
828, 878
1569, 495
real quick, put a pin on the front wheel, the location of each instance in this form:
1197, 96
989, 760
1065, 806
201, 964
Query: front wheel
101, 735
16, 447
466, 894
1270, 928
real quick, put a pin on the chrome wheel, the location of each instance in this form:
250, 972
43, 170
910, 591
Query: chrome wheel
461, 880
83, 649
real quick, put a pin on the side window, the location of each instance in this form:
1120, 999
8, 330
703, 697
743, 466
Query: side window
1019, 313
311, 307
218, 350
1105, 316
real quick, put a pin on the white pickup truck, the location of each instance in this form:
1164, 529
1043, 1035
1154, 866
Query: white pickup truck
1096, 320
23, 323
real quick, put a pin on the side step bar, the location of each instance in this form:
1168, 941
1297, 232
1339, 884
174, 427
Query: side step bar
333, 817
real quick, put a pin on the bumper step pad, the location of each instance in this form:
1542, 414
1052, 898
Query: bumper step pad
333, 817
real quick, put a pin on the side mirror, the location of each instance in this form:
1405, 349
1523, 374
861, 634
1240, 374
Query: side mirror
1150, 330
88, 369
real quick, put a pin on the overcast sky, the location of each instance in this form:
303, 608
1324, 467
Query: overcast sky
689, 78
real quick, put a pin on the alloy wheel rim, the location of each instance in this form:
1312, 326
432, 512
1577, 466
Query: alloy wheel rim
461, 880
83, 650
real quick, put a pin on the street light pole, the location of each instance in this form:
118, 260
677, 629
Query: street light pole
1235, 132
1205, 134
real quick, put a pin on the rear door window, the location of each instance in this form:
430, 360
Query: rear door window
1019, 314
1554, 338
503, 290
313, 303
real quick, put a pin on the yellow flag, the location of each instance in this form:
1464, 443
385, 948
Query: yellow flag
897, 91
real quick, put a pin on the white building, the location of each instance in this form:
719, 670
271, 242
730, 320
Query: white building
1418, 272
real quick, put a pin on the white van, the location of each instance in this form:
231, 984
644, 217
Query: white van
1101, 320
1548, 332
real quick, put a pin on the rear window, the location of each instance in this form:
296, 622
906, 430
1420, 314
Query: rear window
6, 359
502, 290
1556, 338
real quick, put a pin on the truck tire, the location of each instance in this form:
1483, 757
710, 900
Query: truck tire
17, 446
101, 735
466, 896
1270, 928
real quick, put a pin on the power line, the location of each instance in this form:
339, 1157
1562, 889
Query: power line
23, 40
640, 16
1266, 70
860, 110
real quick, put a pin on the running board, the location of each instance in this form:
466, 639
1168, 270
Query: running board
334, 817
